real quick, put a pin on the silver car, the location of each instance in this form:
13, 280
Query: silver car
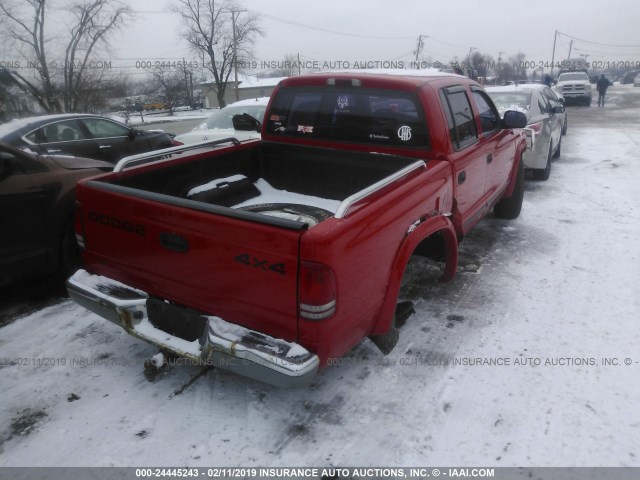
220, 124
546, 119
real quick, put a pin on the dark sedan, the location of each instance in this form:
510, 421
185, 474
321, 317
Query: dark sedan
37, 197
82, 135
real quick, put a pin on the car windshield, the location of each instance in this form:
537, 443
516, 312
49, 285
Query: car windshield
519, 101
572, 76
223, 118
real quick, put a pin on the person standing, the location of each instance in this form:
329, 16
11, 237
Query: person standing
602, 85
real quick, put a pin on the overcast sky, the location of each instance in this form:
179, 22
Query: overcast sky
377, 30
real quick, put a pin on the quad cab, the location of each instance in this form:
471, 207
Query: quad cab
271, 257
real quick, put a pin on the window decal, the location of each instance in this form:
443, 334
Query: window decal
342, 102
404, 133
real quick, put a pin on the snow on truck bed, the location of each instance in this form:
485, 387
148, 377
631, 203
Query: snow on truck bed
269, 194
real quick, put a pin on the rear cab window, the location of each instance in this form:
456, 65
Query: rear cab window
349, 114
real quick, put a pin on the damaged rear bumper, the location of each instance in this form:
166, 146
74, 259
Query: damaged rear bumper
221, 344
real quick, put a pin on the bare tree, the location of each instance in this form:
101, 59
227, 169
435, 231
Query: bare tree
481, 63
94, 20
504, 72
171, 83
222, 33
517, 63
60, 87
288, 67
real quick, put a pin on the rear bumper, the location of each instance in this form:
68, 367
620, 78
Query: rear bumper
222, 344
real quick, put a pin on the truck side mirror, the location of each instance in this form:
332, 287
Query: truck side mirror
513, 119
246, 123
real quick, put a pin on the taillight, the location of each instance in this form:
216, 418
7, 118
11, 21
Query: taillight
316, 292
79, 226
536, 127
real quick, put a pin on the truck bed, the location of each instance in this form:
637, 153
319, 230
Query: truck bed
268, 174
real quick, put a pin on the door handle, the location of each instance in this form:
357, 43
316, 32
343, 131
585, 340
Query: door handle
490, 158
462, 176
53, 151
104, 146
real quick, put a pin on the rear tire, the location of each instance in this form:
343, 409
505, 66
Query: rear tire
510, 208
557, 153
70, 260
544, 173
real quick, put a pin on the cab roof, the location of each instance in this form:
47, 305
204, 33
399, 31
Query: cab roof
377, 78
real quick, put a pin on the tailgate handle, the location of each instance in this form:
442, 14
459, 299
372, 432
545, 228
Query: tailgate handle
174, 242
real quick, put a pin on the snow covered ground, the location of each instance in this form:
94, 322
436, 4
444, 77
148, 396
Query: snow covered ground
528, 358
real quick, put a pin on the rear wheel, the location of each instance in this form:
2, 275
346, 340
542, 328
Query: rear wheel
510, 207
544, 173
557, 153
565, 126
69, 253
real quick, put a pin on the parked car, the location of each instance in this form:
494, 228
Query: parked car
83, 135
219, 125
556, 98
545, 121
37, 196
575, 86
629, 77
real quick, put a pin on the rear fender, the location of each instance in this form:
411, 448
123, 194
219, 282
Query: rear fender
411, 241
520, 149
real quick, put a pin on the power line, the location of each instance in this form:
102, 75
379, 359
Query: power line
334, 32
598, 43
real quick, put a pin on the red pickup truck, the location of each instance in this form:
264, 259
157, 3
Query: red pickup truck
271, 257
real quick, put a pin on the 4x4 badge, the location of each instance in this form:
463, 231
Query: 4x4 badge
253, 262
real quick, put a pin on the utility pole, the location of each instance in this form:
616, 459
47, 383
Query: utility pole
553, 55
186, 81
470, 67
570, 47
235, 49
420, 46
499, 69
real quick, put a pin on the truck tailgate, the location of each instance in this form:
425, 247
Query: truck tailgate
233, 268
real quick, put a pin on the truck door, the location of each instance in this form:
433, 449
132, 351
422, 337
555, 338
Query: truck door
470, 163
496, 143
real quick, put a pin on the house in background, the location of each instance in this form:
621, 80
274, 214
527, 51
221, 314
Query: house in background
248, 87
15, 104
